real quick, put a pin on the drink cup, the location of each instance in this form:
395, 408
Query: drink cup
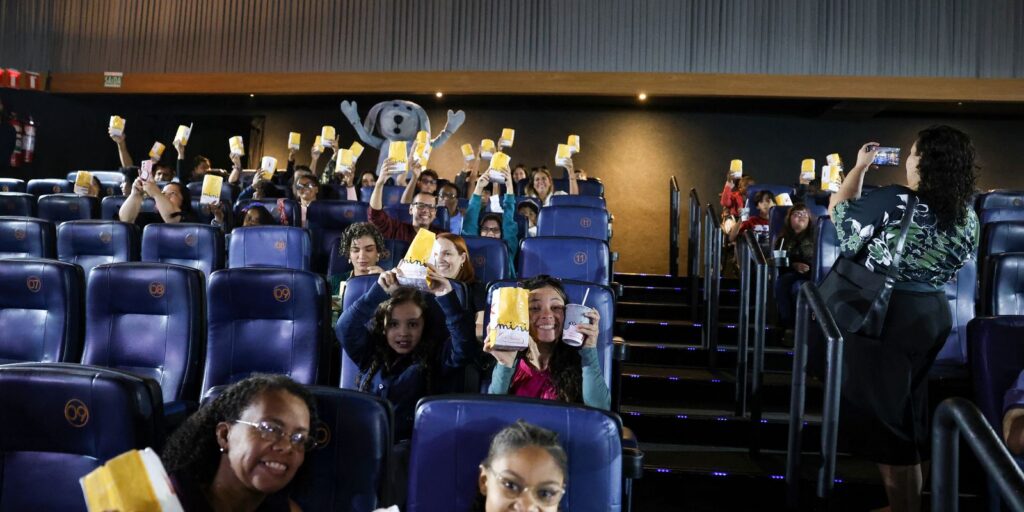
780, 258
574, 315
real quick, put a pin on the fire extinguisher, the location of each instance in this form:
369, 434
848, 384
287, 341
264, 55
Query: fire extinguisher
18, 155
30, 140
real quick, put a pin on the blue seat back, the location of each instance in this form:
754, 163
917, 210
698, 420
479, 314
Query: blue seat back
265, 320
489, 257
88, 243
774, 189
355, 288
997, 358
199, 246
326, 221
40, 311
12, 185
401, 213
1000, 214
827, 248
39, 187
960, 292
59, 208
590, 187
578, 221
1001, 236
110, 206
452, 435
26, 237
228, 192
601, 298
111, 176
70, 420
18, 204
124, 304
776, 221
292, 212
582, 259
270, 246
594, 201
999, 199
1002, 289
338, 264
392, 194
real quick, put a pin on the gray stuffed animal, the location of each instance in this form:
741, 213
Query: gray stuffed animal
397, 120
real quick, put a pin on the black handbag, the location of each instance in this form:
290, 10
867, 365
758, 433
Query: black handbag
858, 297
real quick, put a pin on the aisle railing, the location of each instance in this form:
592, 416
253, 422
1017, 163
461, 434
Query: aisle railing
693, 253
712, 275
751, 256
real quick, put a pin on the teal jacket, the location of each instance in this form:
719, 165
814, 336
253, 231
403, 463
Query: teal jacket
509, 228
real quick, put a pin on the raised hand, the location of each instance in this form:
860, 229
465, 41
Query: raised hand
590, 331
388, 281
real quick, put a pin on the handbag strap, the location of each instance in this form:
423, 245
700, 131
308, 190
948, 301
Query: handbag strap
908, 215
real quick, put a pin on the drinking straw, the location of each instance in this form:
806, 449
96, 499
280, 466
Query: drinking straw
584, 303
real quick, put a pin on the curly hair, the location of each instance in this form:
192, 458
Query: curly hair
521, 435
193, 448
383, 356
946, 168
358, 230
566, 366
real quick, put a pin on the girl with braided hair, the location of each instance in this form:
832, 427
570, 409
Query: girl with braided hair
240, 451
398, 358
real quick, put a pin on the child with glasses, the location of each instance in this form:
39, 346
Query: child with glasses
242, 450
525, 469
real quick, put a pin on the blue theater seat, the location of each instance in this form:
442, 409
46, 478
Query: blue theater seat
594, 201
401, 213
1001, 236
326, 221
590, 187
349, 468
17, 204
199, 246
265, 320
776, 221
292, 211
827, 248
110, 181
999, 199
39, 187
1002, 288
70, 419
1000, 214
110, 206
392, 194
270, 246
452, 435
339, 264
601, 298
147, 318
578, 221
961, 294
12, 185
59, 208
228, 192
582, 259
40, 311
997, 358
489, 257
88, 243
26, 237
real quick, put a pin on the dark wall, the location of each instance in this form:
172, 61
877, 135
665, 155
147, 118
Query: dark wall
633, 149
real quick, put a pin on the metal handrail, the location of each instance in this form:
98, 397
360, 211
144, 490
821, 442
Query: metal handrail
810, 301
956, 415
673, 226
693, 253
712, 271
752, 254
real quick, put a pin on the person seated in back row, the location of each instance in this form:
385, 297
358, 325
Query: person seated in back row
423, 209
493, 225
542, 187
364, 247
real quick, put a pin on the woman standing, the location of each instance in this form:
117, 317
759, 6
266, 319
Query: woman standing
885, 406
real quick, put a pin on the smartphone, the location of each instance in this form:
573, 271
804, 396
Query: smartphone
887, 156
146, 170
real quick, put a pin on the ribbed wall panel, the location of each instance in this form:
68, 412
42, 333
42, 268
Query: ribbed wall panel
936, 38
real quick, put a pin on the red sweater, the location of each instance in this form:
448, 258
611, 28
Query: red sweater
732, 200
392, 229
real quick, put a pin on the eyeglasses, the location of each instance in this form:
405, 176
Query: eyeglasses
269, 432
428, 181
449, 195
547, 496
801, 214
496, 231
422, 206
307, 186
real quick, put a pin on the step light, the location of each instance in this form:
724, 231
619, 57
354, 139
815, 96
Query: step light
663, 470
719, 473
691, 349
716, 381
681, 417
777, 477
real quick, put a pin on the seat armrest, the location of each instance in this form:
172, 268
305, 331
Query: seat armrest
632, 459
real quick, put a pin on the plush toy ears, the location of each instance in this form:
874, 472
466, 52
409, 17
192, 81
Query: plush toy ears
424, 120
370, 123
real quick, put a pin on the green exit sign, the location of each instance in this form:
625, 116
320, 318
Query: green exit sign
112, 79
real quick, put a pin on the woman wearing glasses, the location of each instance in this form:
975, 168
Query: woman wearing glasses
241, 451
798, 240
525, 469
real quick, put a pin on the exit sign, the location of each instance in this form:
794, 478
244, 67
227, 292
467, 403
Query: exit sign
112, 79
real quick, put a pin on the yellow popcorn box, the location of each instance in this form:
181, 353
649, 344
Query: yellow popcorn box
467, 152
83, 180
487, 148
327, 136
184, 132
421, 153
807, 169
830, 178
236, 145
783, 199
508, 135
499, 162
346, 159
156, 151
133, 481
574, 144
117, 125
736, 169
563, 155
509, 326
211, 188
318, 143
357, 150
413, 267
293, 140
834, 159
267, 167
423, 137
398, 153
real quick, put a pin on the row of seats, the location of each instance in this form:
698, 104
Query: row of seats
74, 418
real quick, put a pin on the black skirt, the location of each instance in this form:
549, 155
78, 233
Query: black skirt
884, 414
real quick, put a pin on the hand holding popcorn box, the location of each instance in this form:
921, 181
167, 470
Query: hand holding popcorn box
181, 137
236, 145
398, 153
509, 326
211, 189
412, 270
117, 126
563, 155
